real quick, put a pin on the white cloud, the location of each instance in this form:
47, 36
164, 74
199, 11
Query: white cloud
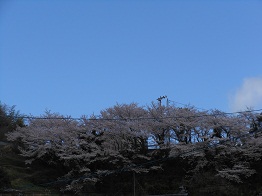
248, 95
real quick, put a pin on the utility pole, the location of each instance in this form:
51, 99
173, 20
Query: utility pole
160, 99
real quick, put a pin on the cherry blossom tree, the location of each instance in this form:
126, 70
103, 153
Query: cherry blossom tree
116, 141
89, 148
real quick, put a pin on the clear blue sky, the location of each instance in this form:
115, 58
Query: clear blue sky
79, 57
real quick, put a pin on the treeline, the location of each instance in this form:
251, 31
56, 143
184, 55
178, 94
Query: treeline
207, 152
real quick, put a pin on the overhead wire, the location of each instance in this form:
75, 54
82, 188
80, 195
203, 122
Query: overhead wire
187, 105
133, 119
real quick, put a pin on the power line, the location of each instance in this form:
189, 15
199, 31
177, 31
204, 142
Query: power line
186, 105
132, 119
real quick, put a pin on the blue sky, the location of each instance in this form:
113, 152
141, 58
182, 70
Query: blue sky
79, 57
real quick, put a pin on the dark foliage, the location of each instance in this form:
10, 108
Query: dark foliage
10, 119
4, 180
